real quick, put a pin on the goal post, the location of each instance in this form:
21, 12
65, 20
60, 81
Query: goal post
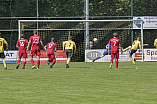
82, 28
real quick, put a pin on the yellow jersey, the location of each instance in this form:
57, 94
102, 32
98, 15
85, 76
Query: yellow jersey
2, 42
69, 44
135, 45
155, 42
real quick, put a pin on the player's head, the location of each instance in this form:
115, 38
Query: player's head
35, 32
138, 38
70, 38
115, 34
52, 39
22, 36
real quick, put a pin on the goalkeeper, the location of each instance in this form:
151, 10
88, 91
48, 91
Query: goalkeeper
105, 53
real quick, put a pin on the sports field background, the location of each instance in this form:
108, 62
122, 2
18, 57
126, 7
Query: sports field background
82, 83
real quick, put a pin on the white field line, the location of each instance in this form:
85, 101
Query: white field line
20, 92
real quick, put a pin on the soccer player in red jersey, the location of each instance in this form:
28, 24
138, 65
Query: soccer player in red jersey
21, 44
35, 50
115, 44
51, 48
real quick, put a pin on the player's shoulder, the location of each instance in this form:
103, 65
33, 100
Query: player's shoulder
2, 39
38, 36
55, 43
31, 36
138, 41
65, 41
73, 41
26, 39
117, 39
18, 40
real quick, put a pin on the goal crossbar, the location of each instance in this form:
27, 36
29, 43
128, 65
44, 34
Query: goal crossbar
122, 20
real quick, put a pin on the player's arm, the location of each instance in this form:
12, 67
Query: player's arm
17, 46
55, 49
5, 42
140, 46
7, 46
42, 44
155, 43
121, 49
109, 47
144, 45
45, 47
75, 49
29, 43
63, 46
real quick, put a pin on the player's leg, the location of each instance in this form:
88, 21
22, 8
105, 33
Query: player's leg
32, 61
98, 58
38, 58
31, 56
4, 62
38, 61
129, 47
69, 55
24, 60
111, 62
105, 53
117, 57
130, 56
24, 63
49, 59
19, 59
18, 63
53, 60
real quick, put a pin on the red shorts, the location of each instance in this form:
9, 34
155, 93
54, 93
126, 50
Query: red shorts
115, 55
51, 56
35, 52
22, 54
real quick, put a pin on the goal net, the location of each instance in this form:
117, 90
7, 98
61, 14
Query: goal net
90, 36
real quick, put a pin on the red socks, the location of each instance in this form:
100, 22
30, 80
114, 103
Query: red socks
53, 62
38, 63
18, 61
24, 62
50, 59
32, 61
117, 63
111, 60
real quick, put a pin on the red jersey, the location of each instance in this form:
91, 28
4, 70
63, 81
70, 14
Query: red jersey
35, 39
50, 47
22, 44
114, 42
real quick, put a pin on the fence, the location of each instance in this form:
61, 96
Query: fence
13, 10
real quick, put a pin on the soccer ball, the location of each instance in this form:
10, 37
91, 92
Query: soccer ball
106, 46
95, 39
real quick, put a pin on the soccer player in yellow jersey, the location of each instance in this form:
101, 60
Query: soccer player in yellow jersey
2, 42
155, 43
69, 46
135, 45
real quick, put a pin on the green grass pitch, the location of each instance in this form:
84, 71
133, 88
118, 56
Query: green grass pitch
82, 83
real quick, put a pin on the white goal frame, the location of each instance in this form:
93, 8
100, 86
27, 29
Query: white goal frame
86, 29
